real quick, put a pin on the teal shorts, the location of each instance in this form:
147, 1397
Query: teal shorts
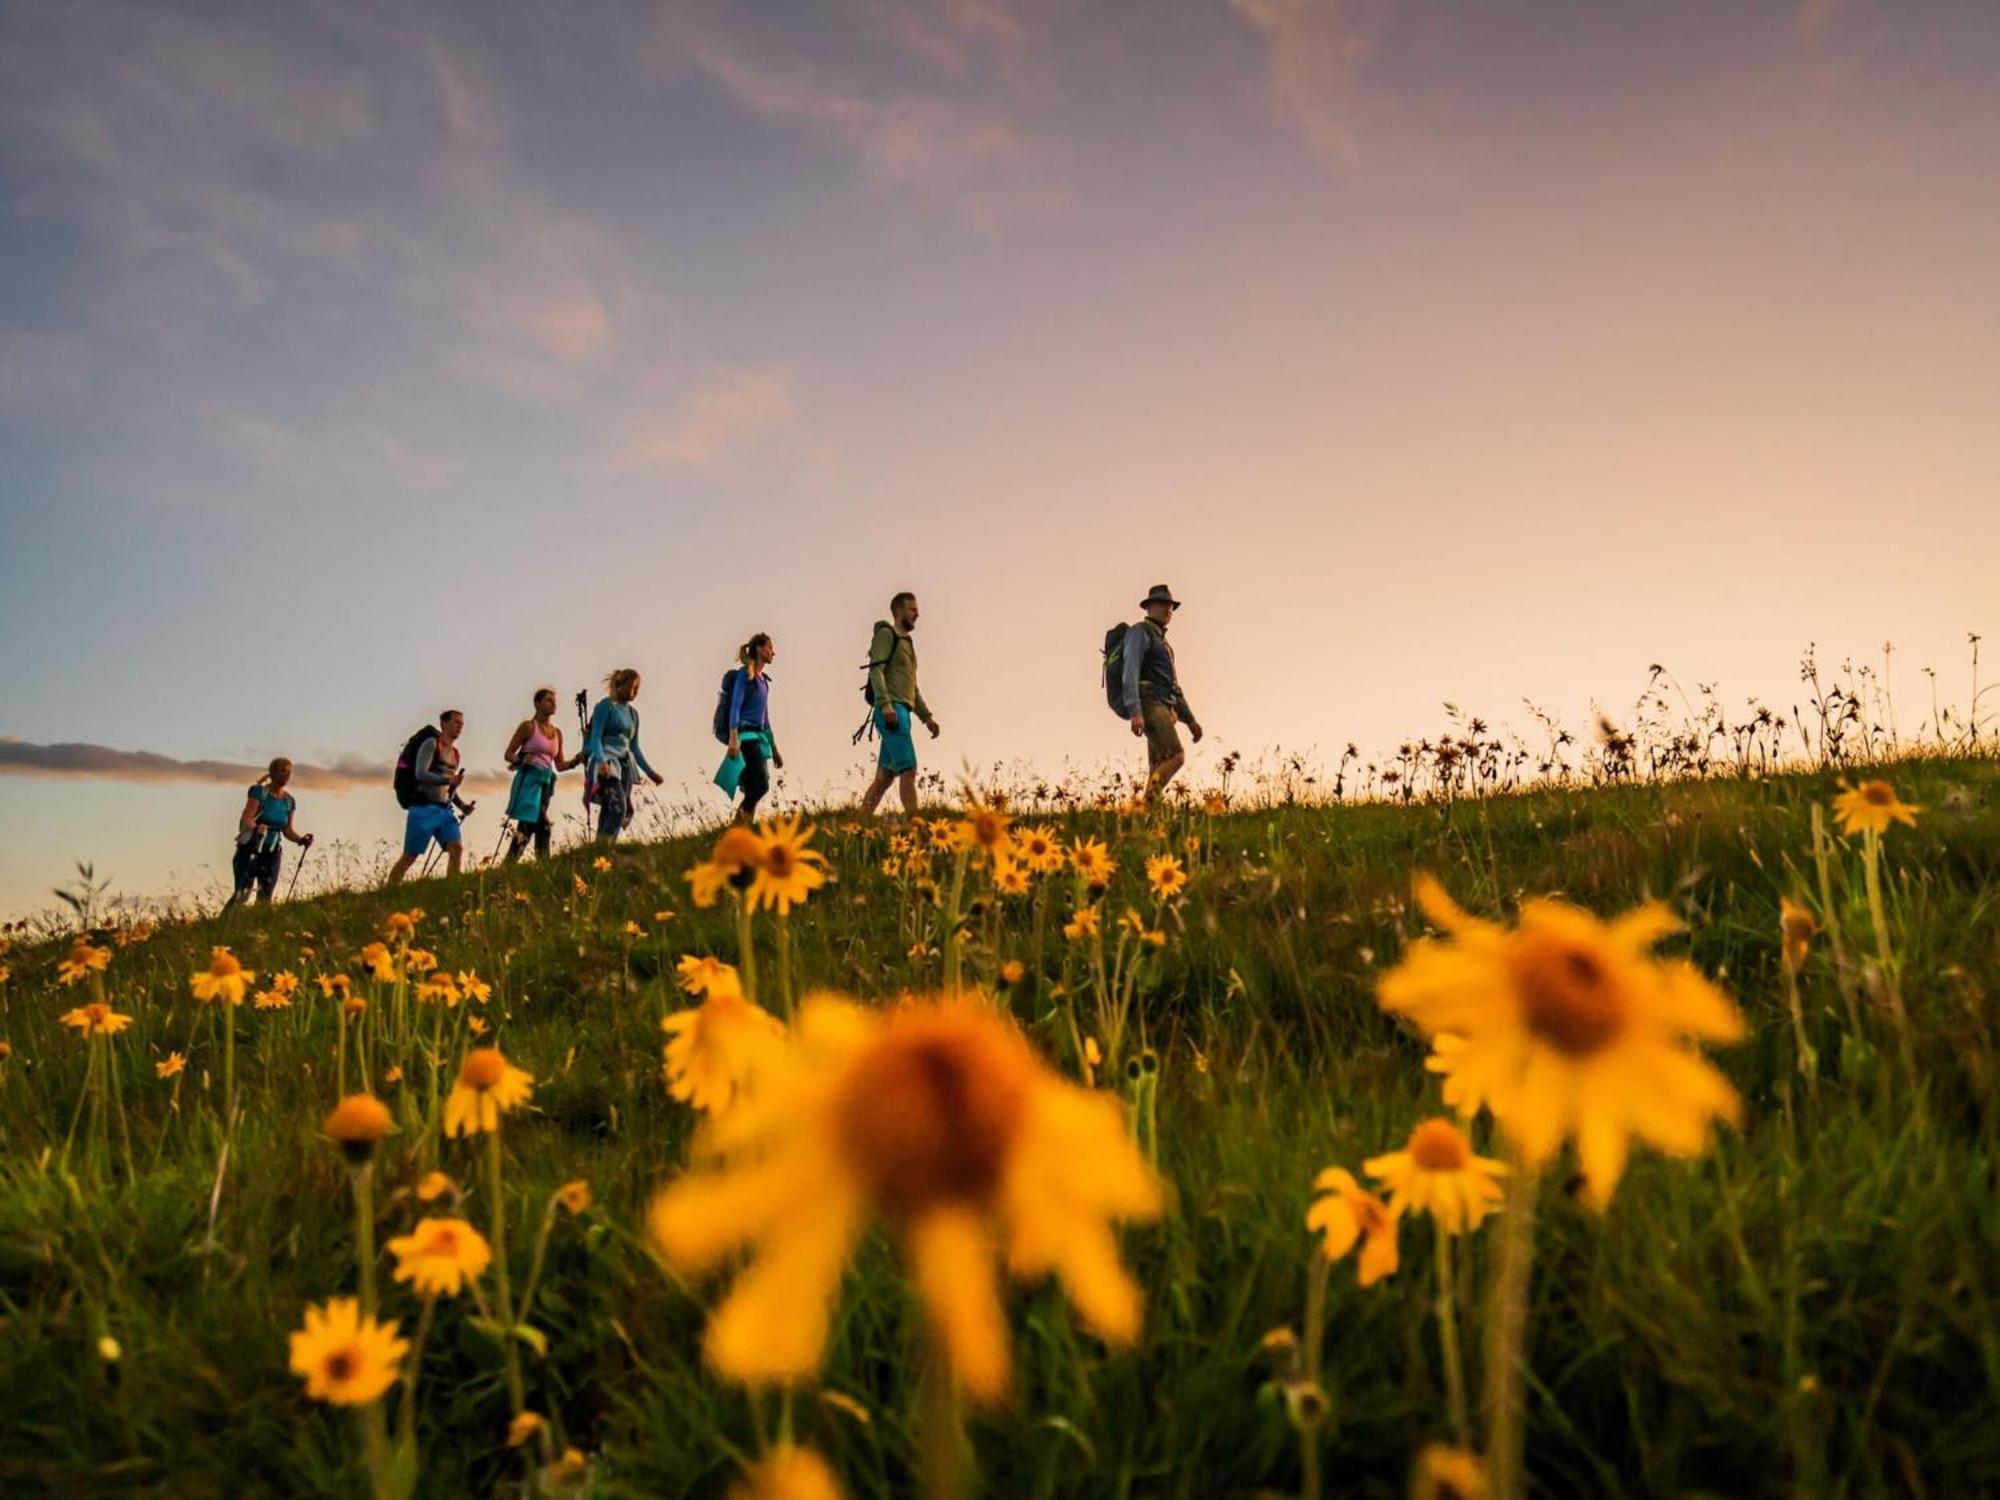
898, 754
427, 821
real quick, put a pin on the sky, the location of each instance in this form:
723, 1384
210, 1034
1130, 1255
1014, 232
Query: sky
359, 360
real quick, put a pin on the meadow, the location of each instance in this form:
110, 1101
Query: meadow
1798, 1296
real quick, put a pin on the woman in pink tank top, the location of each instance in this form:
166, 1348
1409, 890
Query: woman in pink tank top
536, 754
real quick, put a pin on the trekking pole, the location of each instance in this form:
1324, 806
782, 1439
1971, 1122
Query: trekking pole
299, 868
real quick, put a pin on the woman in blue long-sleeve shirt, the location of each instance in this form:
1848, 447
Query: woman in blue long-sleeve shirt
751, 738
611, 750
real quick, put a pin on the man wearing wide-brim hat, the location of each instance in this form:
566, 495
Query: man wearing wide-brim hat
1154, 701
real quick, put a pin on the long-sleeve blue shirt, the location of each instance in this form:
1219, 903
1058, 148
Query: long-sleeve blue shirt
1149, 672
614, 736
750, 703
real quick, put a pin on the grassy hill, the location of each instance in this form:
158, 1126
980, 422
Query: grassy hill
1810, 1307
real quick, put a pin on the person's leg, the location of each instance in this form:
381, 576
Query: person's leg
906, 785
1163, 773
756, 780
1164, 753
873, 796
517, 842
400, 868
453, 853
242, 873
544, 830
268, 864
416, 839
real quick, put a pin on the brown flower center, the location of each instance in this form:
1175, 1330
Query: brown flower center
341, 1365
484, 1068
1571, 1001
778, 862
737, 848
928, 1118
1877, 793
1439, 1146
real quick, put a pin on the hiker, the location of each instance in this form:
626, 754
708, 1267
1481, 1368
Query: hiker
261, 833
1150, 690
536, 754
428, 775
743, 720
892, 690
611, 750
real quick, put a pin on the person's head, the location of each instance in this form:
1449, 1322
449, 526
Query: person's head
903, 610
279, 773
757, 651
450, 722
545, 702
1159, 604
623, 684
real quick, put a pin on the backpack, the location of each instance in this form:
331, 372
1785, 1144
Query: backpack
1114, 668
869, 666
405, 779
722, 698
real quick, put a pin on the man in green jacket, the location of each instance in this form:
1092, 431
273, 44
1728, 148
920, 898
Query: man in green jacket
892, 682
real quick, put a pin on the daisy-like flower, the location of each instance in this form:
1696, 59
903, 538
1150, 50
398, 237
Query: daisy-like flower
983, 830
634, 930
787, 872
440, 1257
488, 1087
1092, 862
271, 1000
1040, 850
1448, 1474
401, 926
1011, 877
285, 982
524, 1426
1345, 1214
433, 1186
787, 1472
1013, 972
718, 1048
574, 1196
703, 974
476, 1025
354, 1007
1438, 1174
379, 962
1796, 930
473, 988
83, 960
1566, 1027
601, 864
940, 1120
1084, 924
224, 980
170, 1065
1215, 804
97, 1019
358, 1124
439, 989
1872, 807
733, 862
419, 961
1165, 875
1135, 924
335, 986
393, 1074
345, 1358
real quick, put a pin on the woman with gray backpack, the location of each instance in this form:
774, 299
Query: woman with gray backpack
743, 723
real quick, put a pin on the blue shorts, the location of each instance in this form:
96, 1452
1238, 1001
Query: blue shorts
899, 746
427, 821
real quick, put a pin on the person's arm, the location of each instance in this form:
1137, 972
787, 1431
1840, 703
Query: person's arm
736, 697
427, 773
593, 737
562, 764
291, 824
250, 810
639, 755
514, 745
921, 708
1137, 643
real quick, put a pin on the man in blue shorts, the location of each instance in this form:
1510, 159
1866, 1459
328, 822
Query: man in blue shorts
899, 703
438, 774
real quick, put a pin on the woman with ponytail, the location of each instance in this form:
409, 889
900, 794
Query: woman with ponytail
752, 746
265, 824
611, 750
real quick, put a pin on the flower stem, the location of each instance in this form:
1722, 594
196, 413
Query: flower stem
1447, 1316
1506, 1337
1885, 956
364, 1233
228, 1065
944, 1467
1316, 1275
785, 963
746, 949
502, 1288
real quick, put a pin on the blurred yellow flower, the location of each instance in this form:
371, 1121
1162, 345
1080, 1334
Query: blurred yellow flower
663, 916
1084, 924
574, 1196
601, 865
1872, 807
440, 1256
271, 1000
1092, 862
97, 1019
476, 1025
1345, 1213
473, 988
433, 1186
1448, 1474
402, 925
1013, 971
1011, 877
634, 930
419, 960
1796, 930
787, 872
224, 980
439, 989
335, 986
1565, 1027
1437, 1173
787, 1472
379, 962
170, 1065
982, 830
488, 1087
718, 1048
393, 1075
702, 974
285, 982
1040, 850
82, 960
345, 1358
524, 1426
939, 1119
358, 1125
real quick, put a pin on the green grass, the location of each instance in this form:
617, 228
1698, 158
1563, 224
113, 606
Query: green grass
1809, 1309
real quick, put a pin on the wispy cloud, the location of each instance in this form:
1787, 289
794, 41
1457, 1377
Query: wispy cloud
729, 414
1315, 52
84, 761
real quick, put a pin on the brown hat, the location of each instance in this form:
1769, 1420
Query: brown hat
1159, 594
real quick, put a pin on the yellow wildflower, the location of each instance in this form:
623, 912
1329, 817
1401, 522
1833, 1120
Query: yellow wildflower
1438, 1174
488, 1087
1872, 806
1345, 1213
224, 980
345, 1358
